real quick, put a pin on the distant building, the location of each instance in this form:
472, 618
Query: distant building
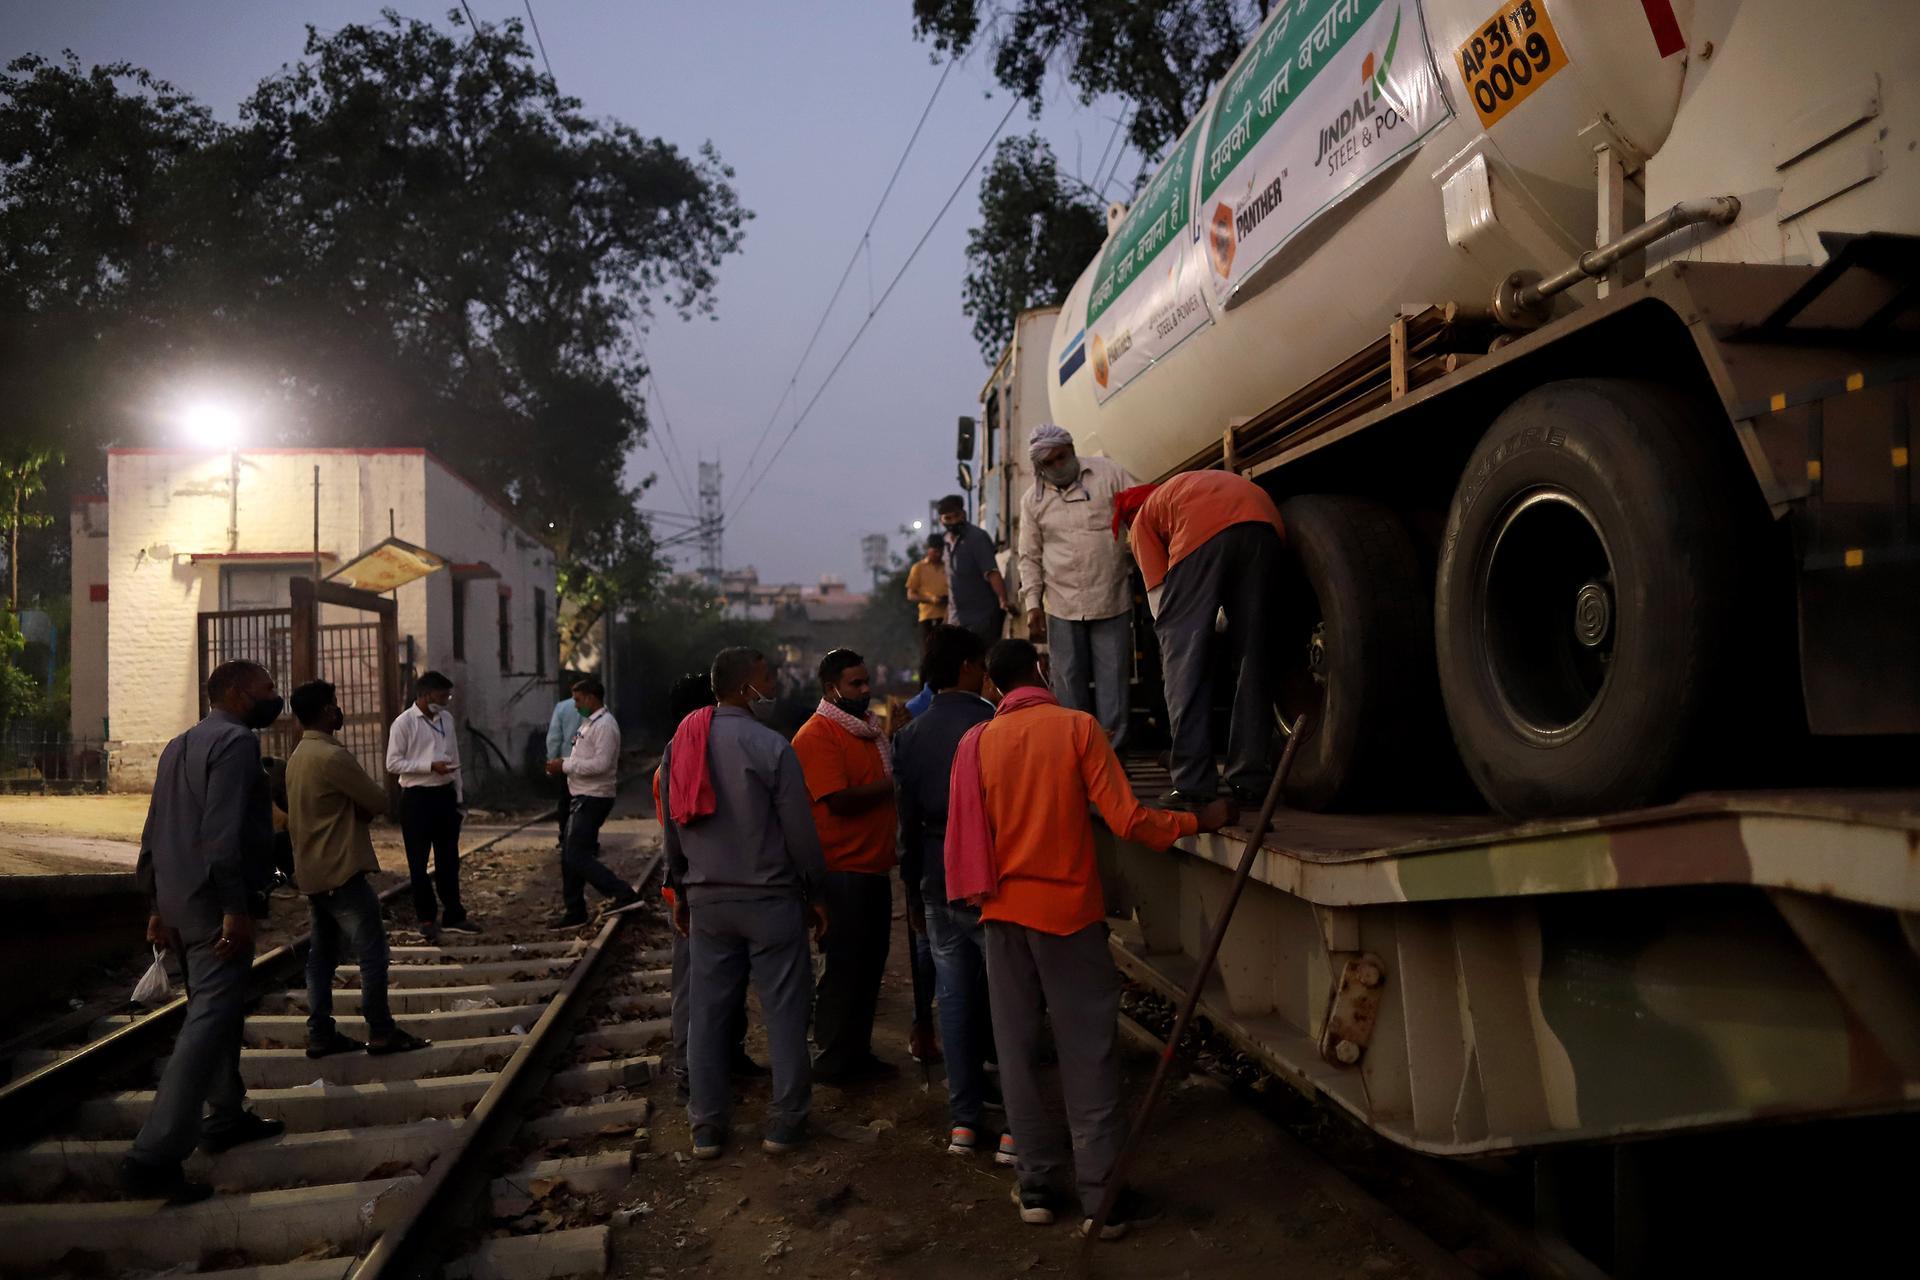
188, 560
807, 620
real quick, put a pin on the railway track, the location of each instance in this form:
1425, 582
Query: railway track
475, 1155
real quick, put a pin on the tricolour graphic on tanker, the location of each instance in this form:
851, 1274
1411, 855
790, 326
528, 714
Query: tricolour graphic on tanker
1328, 94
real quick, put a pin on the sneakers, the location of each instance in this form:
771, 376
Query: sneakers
171, 1186
331, 1043
962, 1141
1037, 1205
781, 1139
628, 901
708, 1143
248, 1128
568, 920
429, 932
1187, 801
1129, 1211
1006, 1154
462, 925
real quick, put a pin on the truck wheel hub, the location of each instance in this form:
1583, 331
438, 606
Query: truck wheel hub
1593, 614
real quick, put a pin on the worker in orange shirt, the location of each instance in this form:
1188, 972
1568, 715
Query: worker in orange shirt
849, 770
1020, 842
1207, 541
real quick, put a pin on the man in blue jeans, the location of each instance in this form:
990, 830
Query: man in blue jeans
955, 668
330, 801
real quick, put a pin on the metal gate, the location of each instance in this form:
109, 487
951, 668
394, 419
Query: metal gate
360, 657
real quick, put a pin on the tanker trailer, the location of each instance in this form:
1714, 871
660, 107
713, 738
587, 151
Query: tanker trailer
1577, 341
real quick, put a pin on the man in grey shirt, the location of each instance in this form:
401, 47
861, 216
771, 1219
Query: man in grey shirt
206, 857
746, 875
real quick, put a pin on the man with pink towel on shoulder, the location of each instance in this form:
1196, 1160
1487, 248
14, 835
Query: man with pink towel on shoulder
744, 862
1020, 844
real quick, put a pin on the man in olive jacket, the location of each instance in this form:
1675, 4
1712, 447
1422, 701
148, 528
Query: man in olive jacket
330, 801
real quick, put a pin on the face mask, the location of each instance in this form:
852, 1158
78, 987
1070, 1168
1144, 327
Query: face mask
1063, 473
855, 707
760, 705
264, 712
337, 721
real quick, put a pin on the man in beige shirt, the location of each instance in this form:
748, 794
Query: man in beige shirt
330, 801
1075, 578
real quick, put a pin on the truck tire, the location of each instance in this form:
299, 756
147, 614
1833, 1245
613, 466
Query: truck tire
1584, 587
1357, 652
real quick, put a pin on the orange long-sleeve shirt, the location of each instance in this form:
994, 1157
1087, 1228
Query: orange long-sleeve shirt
1042, 767
1189, 509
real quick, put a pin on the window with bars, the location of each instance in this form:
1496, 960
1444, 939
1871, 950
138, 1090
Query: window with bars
539, 632
506, 632
459, 620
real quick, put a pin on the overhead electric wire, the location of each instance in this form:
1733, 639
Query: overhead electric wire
875, 310
542, 44
852, 261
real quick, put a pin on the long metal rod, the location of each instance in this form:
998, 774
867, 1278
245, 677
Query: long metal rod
1164, 1067
1597, 262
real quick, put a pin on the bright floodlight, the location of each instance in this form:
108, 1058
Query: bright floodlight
212, 426
919, 524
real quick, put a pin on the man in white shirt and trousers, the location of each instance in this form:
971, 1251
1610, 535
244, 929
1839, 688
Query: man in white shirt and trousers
423, 755
1076, 578
592, 771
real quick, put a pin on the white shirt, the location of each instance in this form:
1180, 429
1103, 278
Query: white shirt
1070, 562
415, 743
594, 766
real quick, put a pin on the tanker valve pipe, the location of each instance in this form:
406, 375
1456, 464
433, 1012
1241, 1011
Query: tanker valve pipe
1521, 300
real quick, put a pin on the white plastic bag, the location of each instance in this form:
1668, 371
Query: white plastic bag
153, 987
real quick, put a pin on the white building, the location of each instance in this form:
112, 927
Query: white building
182, 533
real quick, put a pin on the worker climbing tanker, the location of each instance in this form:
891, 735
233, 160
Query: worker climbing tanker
1576, 343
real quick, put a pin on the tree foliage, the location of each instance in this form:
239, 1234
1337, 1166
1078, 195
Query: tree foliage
1162, 56
409, 238
1037, 233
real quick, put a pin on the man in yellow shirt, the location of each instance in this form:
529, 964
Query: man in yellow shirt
927, 586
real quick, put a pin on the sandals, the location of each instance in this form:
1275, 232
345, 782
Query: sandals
334, 1043
399, 1042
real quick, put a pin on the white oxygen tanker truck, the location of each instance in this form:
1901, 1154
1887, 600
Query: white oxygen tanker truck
1577, 340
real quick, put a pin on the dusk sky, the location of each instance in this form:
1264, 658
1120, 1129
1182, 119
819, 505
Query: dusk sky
811, 105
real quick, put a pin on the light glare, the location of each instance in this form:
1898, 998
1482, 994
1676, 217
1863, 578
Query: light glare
212, 426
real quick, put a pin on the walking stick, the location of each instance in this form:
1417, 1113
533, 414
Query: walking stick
1164, 1066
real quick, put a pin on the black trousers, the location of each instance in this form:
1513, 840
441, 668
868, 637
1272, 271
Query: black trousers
565, 801
580, 863
859, 929
430, 825
1232, 570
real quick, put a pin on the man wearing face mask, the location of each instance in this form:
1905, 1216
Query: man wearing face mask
849, 772
743, 860
593, 776
206, 858
423, 753
1075, 578
330, 801
974, 585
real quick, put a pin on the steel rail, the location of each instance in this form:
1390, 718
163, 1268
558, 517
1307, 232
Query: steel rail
445, 1201
31, 1105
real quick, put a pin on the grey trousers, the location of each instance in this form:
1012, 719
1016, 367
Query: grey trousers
204, 1071
765, 939
682, 1009
1033, 975
1233, 570
1092, 662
